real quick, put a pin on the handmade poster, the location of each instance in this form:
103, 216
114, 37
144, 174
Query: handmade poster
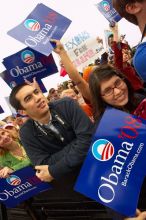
83, 49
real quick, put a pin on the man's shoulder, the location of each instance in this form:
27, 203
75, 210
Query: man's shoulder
27, 125
63, 102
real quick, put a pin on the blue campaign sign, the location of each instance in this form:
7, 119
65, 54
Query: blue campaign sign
42, 24
20, 186
114, 168
107, 10
27, 64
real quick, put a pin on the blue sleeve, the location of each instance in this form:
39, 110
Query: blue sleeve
139, 61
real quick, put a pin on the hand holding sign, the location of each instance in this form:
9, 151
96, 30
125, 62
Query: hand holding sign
115, 165
106, 8
43, 173
140, 216
27, 64
42, 24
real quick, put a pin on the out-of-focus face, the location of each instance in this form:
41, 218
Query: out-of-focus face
13, 131
70, 93
33, 101
110, 41
5, 139
126, 55
114, 91
54, 95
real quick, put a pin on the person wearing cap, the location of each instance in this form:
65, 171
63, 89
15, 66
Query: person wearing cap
12, 129
53, 94
135, 12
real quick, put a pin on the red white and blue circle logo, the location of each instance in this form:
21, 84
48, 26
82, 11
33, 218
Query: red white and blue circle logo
106, 5
27, 56
32, 25
102, 150
12, 84
13, 180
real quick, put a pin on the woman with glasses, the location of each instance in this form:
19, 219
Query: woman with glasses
110, 87
107, 86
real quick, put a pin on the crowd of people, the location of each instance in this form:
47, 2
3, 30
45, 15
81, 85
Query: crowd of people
54, 133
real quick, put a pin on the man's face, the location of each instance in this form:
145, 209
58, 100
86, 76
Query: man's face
33, 102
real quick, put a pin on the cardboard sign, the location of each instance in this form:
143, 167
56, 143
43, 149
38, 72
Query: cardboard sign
20, 186
27, 64
114, 169
42, 24
83, 49
107, 10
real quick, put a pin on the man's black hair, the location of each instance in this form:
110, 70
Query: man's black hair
15, 103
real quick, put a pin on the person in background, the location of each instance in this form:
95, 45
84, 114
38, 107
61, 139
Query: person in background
104, 58
53, 94
122, 58
12, 129
87, 71
21, 118
70, 93
2, 123
135, 12
12, 154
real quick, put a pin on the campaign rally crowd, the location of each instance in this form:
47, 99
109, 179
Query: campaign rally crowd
53, 133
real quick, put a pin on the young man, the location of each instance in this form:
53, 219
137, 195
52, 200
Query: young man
135, 12
56, 137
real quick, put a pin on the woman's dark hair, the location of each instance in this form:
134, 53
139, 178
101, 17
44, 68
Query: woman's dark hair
105, 72
15, 103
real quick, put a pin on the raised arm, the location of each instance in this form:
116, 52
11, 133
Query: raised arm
71, 70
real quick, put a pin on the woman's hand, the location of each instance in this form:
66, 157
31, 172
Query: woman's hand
59, 48
5, 172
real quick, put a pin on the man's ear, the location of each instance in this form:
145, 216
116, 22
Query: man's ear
133, 8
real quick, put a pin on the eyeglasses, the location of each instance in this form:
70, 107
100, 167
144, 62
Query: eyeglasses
119, 83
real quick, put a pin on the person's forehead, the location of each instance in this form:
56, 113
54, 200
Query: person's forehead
24, 91
109, 82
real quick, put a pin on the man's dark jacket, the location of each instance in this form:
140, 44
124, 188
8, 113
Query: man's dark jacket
62, 157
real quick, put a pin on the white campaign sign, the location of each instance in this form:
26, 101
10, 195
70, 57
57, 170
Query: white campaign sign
83, 50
